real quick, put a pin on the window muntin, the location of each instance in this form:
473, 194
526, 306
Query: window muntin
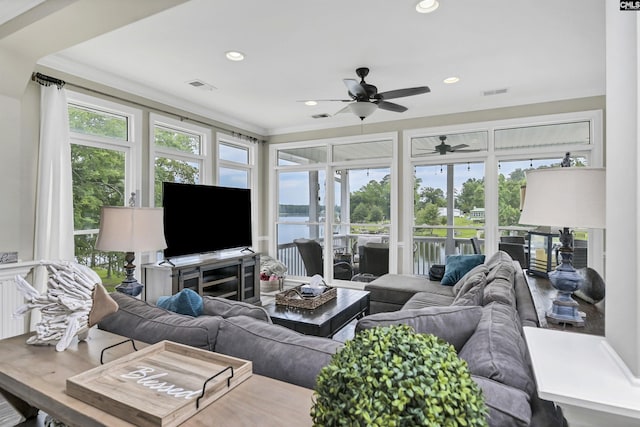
179, 153
233, 153
174, 170
558, 134
425, 146
449, 209
178, 139
302, 156
363, 150
104, 149
91, 121
231, 177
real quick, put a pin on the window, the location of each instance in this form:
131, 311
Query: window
235, 163
496, 156
449, 210
178, 151
104, 150
332, 191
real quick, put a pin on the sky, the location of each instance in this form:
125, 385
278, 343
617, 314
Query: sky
294, 188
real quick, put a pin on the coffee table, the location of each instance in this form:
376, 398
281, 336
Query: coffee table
35, 377
325, 320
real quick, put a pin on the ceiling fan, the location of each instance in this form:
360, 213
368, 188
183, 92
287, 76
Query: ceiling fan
444, 148
365, 98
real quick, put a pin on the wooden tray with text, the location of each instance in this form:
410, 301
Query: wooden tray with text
160, 385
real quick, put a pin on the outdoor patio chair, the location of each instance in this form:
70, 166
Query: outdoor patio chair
311, 253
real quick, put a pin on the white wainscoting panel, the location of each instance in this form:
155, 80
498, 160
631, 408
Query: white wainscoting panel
11, 299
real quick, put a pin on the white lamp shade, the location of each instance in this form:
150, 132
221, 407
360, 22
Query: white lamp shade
363, 109
126, 229
567, 197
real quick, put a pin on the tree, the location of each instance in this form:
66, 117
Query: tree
428, 215
472, 195
372, 194
430, 195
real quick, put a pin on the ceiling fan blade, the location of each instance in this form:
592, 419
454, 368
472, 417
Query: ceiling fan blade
343, 110
458, 147
390, 106
465, 151
325, 100
356, 89
399, 93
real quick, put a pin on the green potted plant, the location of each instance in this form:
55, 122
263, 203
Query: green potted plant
392, 376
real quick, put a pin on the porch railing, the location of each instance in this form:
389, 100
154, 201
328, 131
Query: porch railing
426, 252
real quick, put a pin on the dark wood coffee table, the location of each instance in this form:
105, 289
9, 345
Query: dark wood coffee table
325, 320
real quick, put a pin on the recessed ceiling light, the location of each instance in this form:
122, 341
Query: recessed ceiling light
427, 6
233, 55
450, 80
311, 103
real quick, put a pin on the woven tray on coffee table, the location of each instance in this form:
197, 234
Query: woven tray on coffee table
294, 298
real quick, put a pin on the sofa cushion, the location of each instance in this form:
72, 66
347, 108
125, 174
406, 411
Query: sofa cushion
396, 289
453, 324
498, 258
472, 291
502, 270
457, 266
223, 307
477, 269
427, 299
147, 323
499, 290
508, 406
497, 350
274, 350
187, 301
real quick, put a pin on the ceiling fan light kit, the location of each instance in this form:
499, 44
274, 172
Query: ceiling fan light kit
365, 98
362, 109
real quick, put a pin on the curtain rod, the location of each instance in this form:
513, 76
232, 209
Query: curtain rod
48, 81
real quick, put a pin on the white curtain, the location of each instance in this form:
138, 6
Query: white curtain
54, 202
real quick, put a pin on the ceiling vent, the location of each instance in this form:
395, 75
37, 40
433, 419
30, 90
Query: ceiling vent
201, 85
495, 92
320, 116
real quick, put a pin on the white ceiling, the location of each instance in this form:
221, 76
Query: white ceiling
539, 50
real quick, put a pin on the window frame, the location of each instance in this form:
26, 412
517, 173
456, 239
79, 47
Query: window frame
203, 159
329, 167
593, 152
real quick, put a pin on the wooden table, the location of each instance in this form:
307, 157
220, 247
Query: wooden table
544, 293
35, 376
325, 320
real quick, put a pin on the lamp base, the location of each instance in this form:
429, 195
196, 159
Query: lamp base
133, 289
566, 280
130, 285
565, 312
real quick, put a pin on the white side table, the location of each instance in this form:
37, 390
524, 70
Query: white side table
585, 376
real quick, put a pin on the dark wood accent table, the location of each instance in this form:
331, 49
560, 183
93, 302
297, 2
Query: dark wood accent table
325, 320
35, 377
544, 293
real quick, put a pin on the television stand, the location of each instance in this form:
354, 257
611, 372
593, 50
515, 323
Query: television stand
231, 275
167, 261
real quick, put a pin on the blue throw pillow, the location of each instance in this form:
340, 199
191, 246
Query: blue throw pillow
186, 302
457, 266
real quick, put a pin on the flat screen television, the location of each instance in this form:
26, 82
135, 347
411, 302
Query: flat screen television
205, 218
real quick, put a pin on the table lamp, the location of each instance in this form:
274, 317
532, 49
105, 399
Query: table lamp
130, 230
568, 197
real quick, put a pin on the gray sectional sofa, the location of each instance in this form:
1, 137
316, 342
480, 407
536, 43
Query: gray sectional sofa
481, 316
